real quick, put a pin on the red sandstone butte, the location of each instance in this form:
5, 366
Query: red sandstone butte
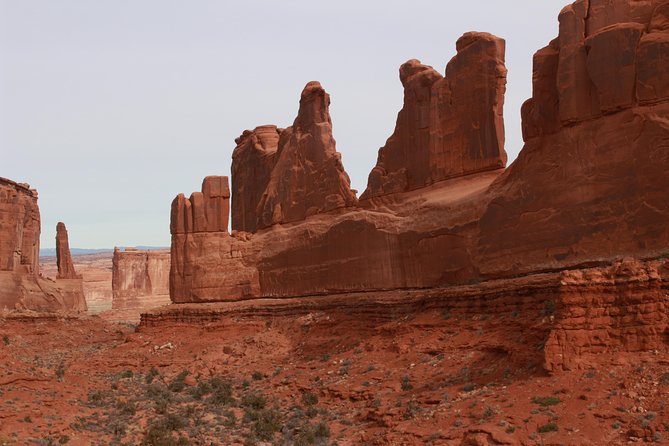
21, 286
589, 187
140, 281
450, 125
63, 257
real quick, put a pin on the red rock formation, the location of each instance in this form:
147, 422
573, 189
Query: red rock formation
308, 177
449, 126
21, 287
283, 176
19, 227
63, 257
207, 257
140, 281
588, 188
253, 160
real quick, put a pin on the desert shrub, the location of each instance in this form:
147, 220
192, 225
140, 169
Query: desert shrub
312, 434
406, 383
151, 375
309, 399
178, 383
126, 408
257, 376
548, 427
545, 401
221, 392
5, 340
267, 422
126, 374
254, 401
97, 398
159, 433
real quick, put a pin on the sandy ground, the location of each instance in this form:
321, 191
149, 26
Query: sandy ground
316, 378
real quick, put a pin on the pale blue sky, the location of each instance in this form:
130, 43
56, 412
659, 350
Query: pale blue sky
112, 107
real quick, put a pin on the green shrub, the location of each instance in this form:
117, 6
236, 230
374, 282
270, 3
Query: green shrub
548, 427
545, 401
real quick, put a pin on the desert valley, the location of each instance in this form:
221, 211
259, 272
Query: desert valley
455, 301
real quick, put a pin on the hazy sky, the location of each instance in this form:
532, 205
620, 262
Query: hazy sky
112, 107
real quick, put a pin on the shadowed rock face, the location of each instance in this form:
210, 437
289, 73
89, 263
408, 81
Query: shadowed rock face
63, 257
21, 286
450, 125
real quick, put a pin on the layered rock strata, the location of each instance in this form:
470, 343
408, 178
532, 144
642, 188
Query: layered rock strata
588, 188
571, 315
140, 281
21, 286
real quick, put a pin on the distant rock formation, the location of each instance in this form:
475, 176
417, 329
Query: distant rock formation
450, 125
21, 286
63, 257
285, 176
140, 281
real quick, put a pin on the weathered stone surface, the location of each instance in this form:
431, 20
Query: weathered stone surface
21, 286
140, 281
449, 126
253, 160
63, 256
652, 82
613, 50
308, 177
540, 114
19, 227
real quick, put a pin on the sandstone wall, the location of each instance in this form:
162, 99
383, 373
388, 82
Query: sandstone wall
140, 281
589, 187
450, 125
19, 227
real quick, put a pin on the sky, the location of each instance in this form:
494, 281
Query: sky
110, 108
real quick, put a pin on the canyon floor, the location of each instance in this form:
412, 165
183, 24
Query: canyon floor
258, 373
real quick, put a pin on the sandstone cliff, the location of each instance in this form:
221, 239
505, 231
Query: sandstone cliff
588, 189
21, 287
140, 281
